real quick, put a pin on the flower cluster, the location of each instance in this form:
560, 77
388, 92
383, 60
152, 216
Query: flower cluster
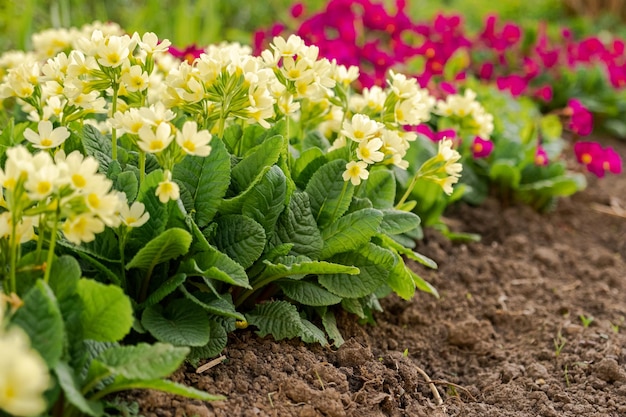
596, 159
23, 373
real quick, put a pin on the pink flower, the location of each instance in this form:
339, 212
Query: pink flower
481, 148
189, 53
596, 159
541, 157
581, 121
297, 10
544, 93
515, 84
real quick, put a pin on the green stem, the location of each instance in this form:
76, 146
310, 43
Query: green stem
53, 241
343, 194
122, 257
142, 167
114, 131
13, 253
408, 191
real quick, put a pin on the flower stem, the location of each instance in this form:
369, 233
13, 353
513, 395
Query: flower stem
142, 167
13, 254
53, 241
409, 189
116, 88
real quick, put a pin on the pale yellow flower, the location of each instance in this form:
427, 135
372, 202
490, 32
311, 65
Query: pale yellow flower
82, 228
135, 215
155, 142
355, 172
47, 137
194, 142
167, 189
368, 151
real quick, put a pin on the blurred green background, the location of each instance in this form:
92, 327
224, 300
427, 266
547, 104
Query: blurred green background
208, 21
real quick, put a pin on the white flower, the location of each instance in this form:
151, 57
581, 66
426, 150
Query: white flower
361, 127
80, 171
114, 51
150, 43
167, 189
192, 141
23, 375
446, 153
82, 228
135, 215
154, 142
290, 47
368, 151
355, 172
19, 163
402, 86
47, 137
135, 79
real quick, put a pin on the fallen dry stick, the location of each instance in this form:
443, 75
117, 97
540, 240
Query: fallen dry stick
210, 364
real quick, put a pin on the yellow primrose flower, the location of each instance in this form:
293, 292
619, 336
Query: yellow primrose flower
167, 189
155, 142
135, 215
369, 151
82, 228
47, 136
194, 142
355, 172
360, 127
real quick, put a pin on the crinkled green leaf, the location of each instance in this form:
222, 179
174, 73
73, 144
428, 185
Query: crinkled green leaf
218, 339
300, 268
380, 188
329, 194
240, 237
235, 204
122, 384
98, 146
213, 304
297, 226
214, 264
64, 276
67, 380
505, 173
40, 317
311, 333
308, 293
374, 264
264, 155
400, 279
278, 318
330, 325
206, 179
267, 199
165, 289
143, 361
397, 221
159, 212
181, 323
107, 314
417, 257
350, 232
127, 183
170, 244
307, 163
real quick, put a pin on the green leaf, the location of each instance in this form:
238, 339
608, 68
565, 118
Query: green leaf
551, 127
330, 195
330, 325
506, 174
159, 213
232, 135
40, 317
400, 279
164, 290
108, 314
234, 204
266, 201
164, 385
374, 264
310, 333
398, 221
182, 323
380, 188
307, 163
127, 183
278, 318
170, 244
308, 293
417, 257
350, 232
298, 270
563, 186
297, 226
143, 361
98, 146
213, 304
64, 276
214, 264
218, 339
67, 380
264, 155
240, 237
423, 285
206, 179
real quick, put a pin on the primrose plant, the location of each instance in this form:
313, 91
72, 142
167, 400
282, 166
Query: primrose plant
146, 198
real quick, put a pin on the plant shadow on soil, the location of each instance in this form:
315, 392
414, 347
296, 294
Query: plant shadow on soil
504, 339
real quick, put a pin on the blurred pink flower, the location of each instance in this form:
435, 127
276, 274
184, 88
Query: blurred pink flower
481, 148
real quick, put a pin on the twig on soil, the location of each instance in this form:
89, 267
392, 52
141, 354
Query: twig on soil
457, 386
614, 209
430, 383
210, 364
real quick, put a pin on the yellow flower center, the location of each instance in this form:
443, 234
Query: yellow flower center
156, 145
113, 57
44, 187
355, 170
359, 134
46, 142
93, 200
130, 220
586, 158
478, 147
79, 181
189, 145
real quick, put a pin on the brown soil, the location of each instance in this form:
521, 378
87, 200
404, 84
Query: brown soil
504, 339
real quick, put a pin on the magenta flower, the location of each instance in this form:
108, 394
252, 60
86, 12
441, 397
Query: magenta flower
597, 160
481, 148
297, 10
544, 93
581, 121
189, 53
541, 157
515, 84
